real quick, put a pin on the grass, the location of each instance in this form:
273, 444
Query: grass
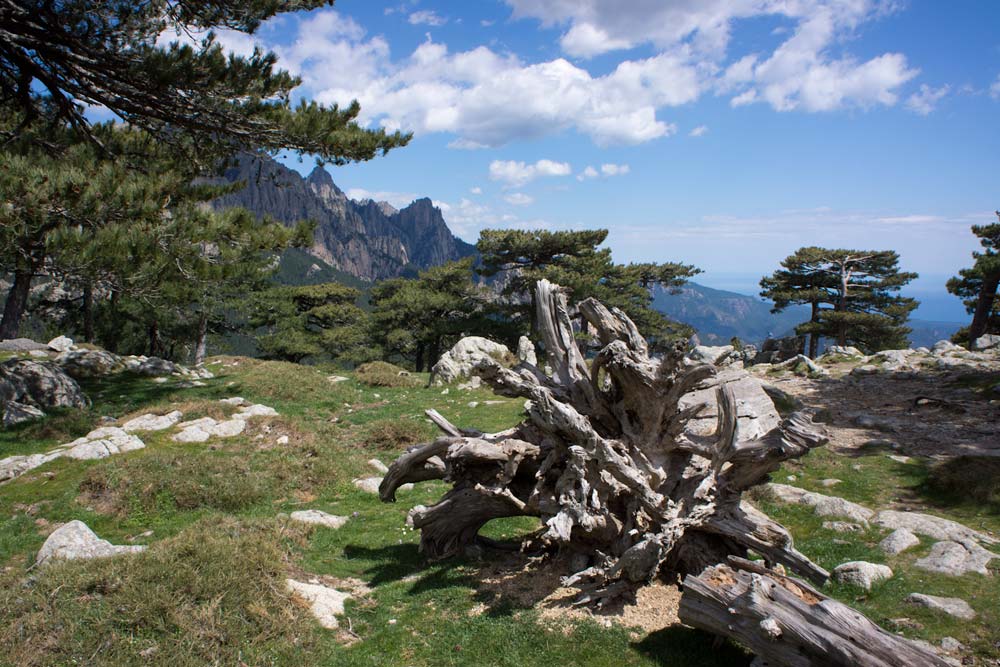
384, 374
210, 588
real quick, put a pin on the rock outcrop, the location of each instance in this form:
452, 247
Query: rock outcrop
367, 239
458, 362
76, 541
28, 388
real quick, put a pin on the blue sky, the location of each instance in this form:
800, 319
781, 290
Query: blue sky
723, 133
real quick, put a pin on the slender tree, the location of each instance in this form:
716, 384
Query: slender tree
852, 295
977, 286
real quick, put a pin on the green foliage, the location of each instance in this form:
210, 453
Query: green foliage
977, 286
311, 321
853, 295
573, 260
58, 57
415, 319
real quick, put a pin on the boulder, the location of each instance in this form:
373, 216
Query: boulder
325, 603
22, 345
717, 356
155, 367
151, 422
861, 574
459, 362
368, 484
755, 410
944, 347
865, 369
15, 466
28, 387
805, 361
526, 351
843, 350
987, 342
956, 559
60, 344
932, 526
822, 505
255, 410
898, 541
318, 518
74, 541
14, 413
952, 606
776, 350
90, 363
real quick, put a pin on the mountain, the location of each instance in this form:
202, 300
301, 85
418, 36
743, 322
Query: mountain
367, 239
718, 315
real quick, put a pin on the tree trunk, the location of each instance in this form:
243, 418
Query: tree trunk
17, 304
153, 332
433, 352
201, 345
88, 312
789, 623
419, 358
814, 336
984, 304
606, 461
111, 344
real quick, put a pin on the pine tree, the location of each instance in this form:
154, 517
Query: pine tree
852, 295
977, 286
57, 57
573, 260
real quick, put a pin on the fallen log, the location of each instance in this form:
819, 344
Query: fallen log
788, 623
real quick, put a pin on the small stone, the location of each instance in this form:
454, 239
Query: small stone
60, 344
282, 440
952, 606
336, 378
318, 518
152, 422
75, 541
234, 400
951, 644
325, 603
898, 458
898, 541
843, 526
227, 428
368, 484
861, 574
378, 466
829, 482
473, 404
255, 410
791, 478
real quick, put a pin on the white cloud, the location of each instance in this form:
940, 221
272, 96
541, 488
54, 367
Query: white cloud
615, 169
396, 199
476, 190
923, 101
519, 199
699, 131
587, 173
995, 89
426, 17
516, 174
486, 23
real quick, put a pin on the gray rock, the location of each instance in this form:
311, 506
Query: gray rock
60, 344
986, 342
368, 484
151, 422
806, 361
931, 526
236, 400
14, 413
38, 354
22, 345
956, 559
952, 606
526, 351
844, 351
459, 362
704, 354
875, 423
74, 541
843, 526
325, 603
155, 367
318, 518
861, 574
776, 350
867, 369
894, 359
951, 644
379, 467
829, 482
255, 410
822, 505
944, 347
898, 541
28, 387
90, 363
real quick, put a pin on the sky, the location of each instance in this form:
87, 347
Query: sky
721, 133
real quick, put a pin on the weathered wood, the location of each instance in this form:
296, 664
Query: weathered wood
789, 623
606, 460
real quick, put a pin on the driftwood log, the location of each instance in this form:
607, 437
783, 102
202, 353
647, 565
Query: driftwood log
604, 460
788, 623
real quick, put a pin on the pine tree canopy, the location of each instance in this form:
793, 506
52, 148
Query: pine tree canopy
59, 56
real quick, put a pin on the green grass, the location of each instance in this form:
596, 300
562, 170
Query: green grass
210, 588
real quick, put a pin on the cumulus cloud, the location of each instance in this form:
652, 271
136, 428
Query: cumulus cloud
588, 173
923, 101
615, 169
426, 17
699, 131
516, 174
519, 199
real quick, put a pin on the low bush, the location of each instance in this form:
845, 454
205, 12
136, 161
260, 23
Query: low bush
384, 374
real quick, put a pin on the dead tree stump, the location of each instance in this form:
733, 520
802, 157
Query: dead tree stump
604, 461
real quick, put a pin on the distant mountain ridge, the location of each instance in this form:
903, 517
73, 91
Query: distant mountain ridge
719, 315
368, 240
